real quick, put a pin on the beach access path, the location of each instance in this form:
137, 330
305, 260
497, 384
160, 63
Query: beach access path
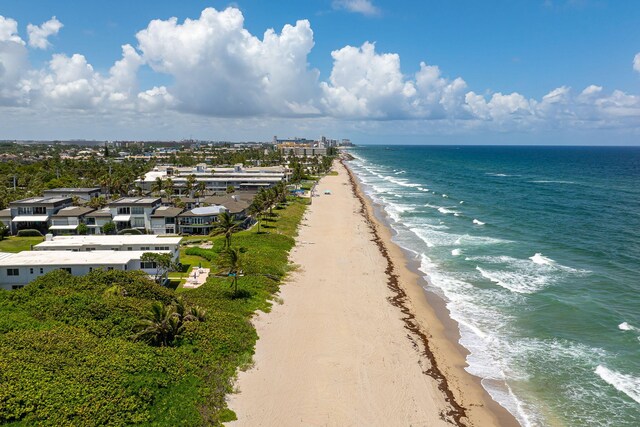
336, 352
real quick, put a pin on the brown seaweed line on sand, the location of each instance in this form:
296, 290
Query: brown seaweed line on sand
457, 411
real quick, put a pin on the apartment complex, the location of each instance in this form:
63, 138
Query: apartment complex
216, 179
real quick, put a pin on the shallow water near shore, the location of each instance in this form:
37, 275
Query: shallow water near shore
537, 253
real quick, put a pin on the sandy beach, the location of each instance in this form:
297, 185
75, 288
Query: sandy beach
355, 340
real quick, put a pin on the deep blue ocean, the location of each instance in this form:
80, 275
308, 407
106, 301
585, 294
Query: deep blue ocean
536, 251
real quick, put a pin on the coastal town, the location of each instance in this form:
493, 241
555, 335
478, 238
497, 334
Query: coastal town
361, 213
149, 198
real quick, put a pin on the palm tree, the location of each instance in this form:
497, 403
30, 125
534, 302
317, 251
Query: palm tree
201, 186
191, 180
161, 325
227, 226
231, 261
157, 186
255, 209
168, 187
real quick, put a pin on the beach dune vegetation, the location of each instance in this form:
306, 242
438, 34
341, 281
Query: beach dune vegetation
70, 354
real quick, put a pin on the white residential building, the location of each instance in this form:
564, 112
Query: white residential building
19, 269
124, 243
218, 179
134, 212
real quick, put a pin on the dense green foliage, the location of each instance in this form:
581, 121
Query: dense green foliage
69, 356
22, 179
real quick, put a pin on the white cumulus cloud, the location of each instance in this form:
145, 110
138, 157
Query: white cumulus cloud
364, 7
219, 68
39, 35
13, 62
219, 71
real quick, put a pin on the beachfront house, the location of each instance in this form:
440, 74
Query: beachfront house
134, 212
236, 204
97, 219
124, 243
19, 269
164, 220
200, 221
80, 255
67, 220
35, 212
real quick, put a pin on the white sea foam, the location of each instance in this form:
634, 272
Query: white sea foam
540, 259
445, 196
423, 189
522, 282
446, 211
461, 201
627, 384
477, 222
456, 252
400, 172
496, 174
624, 326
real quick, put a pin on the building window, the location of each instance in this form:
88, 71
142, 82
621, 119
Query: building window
124, 211
137, 211
41, 270
14, 287
13, 272
129, 248
144, 248
137, 222
31, 271
147, 265
109, 268
67, 269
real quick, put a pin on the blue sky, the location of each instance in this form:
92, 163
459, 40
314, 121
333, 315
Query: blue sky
496, 61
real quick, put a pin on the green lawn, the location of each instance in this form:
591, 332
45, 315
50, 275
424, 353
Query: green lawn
18, 244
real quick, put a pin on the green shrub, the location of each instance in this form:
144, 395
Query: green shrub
68, 356
29, 232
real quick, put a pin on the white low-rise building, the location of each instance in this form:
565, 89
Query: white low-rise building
128, 243
19, 269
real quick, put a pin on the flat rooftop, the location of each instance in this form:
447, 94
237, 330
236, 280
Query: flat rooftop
41, 200
136, 201
68, 258
115, 241
72, 190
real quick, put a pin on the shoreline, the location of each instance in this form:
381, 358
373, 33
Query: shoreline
345, 342
440, 340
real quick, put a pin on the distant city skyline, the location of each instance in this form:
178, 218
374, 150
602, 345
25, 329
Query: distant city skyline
457, 72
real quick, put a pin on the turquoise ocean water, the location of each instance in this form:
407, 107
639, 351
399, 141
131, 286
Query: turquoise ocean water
536, 251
